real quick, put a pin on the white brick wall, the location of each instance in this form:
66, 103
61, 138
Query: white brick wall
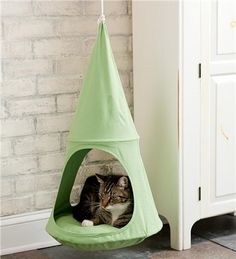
6, 148
53, 161
58, 84
21, 68
58, 8
53, 123
28, 28
23, 87
66, 102
31, 106
15, 8
16, 49
17, 127
57, 47
37, 144
25, 184
12, 166
45, 182
45, 51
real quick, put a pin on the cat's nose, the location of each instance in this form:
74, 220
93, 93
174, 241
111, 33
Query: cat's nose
105, 203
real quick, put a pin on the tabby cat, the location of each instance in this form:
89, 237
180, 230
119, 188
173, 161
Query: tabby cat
105, 200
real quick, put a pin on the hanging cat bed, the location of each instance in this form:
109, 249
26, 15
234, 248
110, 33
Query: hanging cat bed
103, 121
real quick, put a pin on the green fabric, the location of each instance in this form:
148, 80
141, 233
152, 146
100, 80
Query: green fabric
103, 121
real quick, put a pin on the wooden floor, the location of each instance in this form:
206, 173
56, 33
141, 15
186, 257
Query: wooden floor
213, 238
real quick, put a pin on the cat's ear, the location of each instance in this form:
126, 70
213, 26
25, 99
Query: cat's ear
100, 178
123, 182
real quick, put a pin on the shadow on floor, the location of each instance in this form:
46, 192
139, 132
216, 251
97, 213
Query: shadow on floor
221, 230
213, 238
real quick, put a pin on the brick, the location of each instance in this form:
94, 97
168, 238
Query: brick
37, 144
117, 168
16, 205
77, 26
19, 28
25, 184
7, 207
92, 169
28, 67
47, 182
87, 45
96, 155
131, 83
54, 123
7, 187
119, 43
17, 49
123, 61
58, 8
19, 165
58, 85
51, 161
129, 96
32, 106
119, 25
130, 43
111, 8
75, 195
45, 200
3, 111
6, 148
66, 102
64, 139
19, 87
72, 66
17, 127
125, 78
129, 7
16, 8
57, 47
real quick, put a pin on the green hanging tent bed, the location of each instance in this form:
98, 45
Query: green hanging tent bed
103, 121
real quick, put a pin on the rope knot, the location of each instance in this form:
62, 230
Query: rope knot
101, 18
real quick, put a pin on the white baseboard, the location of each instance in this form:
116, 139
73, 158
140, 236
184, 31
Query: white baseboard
25, 232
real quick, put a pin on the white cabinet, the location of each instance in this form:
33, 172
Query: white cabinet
185, 108
218, 107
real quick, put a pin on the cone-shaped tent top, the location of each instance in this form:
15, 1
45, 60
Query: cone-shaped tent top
103, 121
102, 102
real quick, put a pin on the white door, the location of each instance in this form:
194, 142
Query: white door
218, 107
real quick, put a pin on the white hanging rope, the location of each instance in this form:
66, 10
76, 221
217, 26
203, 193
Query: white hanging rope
102, 7
102, 16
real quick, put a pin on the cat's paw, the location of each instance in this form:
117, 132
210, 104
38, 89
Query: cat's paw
87, 223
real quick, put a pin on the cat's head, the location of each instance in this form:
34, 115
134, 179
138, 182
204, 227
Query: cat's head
114, 191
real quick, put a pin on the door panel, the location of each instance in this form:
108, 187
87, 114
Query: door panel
218, 86
223, 139
226, 27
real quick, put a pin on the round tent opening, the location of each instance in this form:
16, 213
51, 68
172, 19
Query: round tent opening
98, 168
95, 162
